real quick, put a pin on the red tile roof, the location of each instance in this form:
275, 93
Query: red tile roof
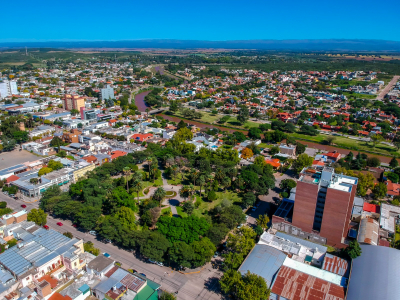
393, 189
89, 158
117, 153
58, 296
318, 163
296, 285
333, 154
141, 137
53, 282
12, 178
371, 208
273, 162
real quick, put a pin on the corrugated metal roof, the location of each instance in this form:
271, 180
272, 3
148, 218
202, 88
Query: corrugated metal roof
374, 274
293, 284
264, 261
336, 265
368, 231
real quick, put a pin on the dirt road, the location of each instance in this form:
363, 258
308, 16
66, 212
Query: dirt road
388, 88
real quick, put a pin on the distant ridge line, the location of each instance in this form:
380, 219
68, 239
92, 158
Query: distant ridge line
293, 45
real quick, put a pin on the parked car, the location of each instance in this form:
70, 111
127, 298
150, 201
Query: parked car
106, 254
159, 264
92, 232
108, 241
23, 206
74, 225
46, 227
142, 274
60, 224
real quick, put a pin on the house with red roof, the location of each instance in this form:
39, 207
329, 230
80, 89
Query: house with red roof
334, 156
273, 162
141, 137
393, 189
372, 208
117, 153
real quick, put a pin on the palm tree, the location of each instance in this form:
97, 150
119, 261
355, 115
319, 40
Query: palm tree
174, 169
194, 174
202, 182
159, 195
183, 192
226, 182
137, 187
191, 191
219, 175
127, 171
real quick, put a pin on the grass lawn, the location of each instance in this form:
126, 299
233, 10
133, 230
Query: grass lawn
213, 119
348, 143
206, 205
165, 210
146, 184
178, 180
180, 212
360, 96
264, 145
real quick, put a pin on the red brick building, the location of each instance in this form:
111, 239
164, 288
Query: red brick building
323, 202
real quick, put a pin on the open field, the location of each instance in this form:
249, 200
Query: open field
213, 119
15, 157
350, 144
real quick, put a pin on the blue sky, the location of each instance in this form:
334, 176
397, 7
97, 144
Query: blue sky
199, 20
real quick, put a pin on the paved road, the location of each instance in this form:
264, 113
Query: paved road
200, 286
387, 88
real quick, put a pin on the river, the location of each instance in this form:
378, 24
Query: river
139, 101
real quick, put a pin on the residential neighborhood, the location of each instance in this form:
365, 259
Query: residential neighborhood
129, 180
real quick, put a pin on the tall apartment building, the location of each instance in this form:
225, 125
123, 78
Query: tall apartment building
322, 204
107, 93
73, 102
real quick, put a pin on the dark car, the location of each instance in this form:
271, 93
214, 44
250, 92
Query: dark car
142, 274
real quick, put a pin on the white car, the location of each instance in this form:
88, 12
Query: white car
92, 232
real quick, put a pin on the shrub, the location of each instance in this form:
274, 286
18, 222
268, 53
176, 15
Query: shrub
212, 196
3, 204
284, 195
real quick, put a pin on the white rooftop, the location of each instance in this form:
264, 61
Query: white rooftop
342, 183
387, 218
313, 271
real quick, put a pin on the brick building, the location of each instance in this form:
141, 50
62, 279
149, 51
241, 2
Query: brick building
322, 204
73, 102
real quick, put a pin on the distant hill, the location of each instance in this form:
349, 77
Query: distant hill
292, 45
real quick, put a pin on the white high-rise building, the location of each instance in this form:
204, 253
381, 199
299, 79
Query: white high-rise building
107, 93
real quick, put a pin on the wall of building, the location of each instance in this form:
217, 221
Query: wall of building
335, 218
304, 206
82, 171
